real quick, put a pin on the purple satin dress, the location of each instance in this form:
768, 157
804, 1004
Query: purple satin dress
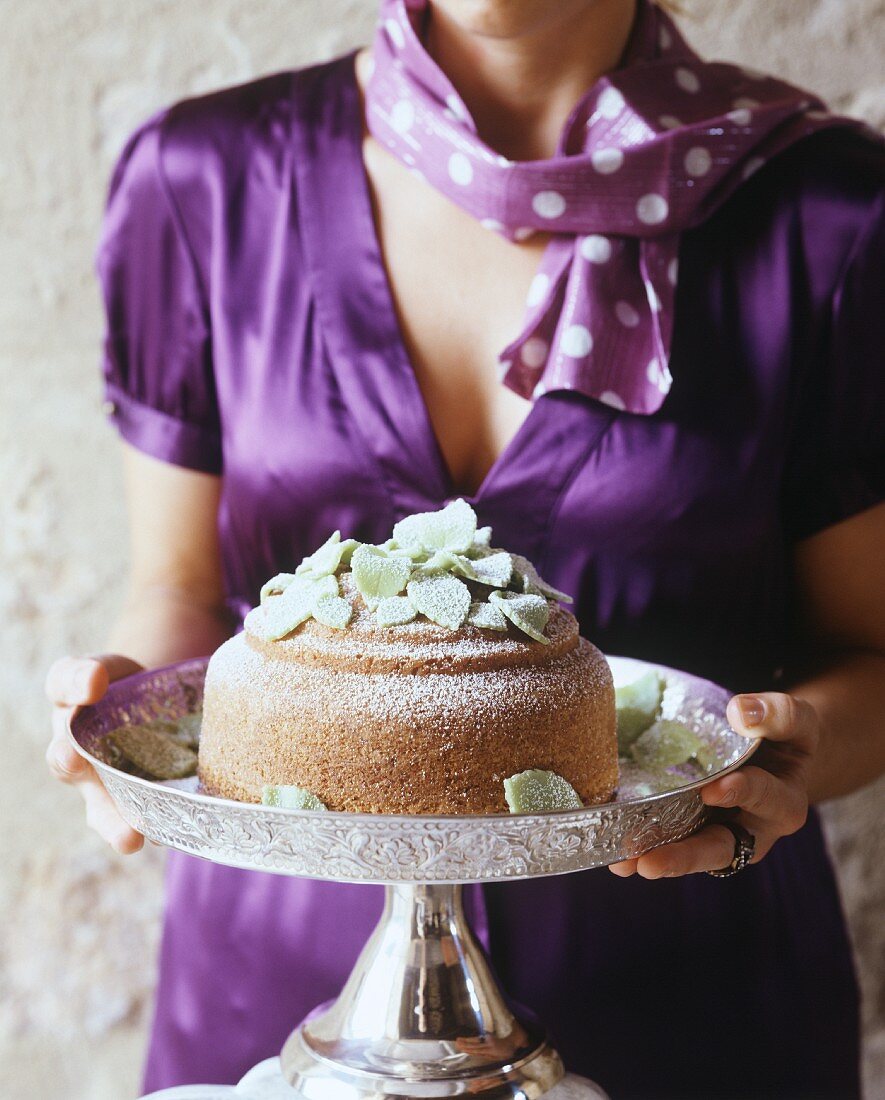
252, 330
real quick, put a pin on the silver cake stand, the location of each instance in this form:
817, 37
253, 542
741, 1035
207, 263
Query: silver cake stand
421, 1015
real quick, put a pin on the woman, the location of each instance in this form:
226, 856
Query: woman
303, 290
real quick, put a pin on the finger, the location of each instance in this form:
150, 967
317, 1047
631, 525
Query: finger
624, 869
71, 680
711, 849
75, 681
102, 816
756, 791
775, 716
64, 762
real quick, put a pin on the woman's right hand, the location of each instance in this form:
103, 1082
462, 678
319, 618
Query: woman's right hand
74, 682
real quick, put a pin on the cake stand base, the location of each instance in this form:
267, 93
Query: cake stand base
266, 1082
421, 1015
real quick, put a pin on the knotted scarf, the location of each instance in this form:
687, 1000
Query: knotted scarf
650, 150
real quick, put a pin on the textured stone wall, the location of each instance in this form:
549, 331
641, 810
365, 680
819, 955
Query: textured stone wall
79, 924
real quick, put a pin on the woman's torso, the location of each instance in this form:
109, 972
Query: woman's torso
673, 532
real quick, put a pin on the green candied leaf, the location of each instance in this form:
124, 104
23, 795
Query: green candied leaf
330, 556
664, 745
444, 600
539, 792
444, 561
528, 613
333, 611
637, 705
452, 528
377, 574
276, 585
325, 559
413, 553
318, 587
186, 730
348, 548
494, 569
395, 611
527, 577
708, 758
154, 753
291, 798
487, 617
280, 615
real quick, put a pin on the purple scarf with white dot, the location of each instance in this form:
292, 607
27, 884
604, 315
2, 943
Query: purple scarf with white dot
650, 150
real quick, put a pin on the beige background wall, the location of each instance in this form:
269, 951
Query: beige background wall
79, 925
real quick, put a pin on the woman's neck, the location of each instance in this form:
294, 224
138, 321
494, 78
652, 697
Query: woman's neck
520, 74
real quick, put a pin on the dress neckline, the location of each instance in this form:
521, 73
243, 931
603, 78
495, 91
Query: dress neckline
356, 306
362, 197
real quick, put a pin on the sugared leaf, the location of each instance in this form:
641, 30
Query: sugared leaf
443, 599
378, 574
276, 585
395, 611
528, 613
487, 616
452, 528
330, 556
538, 792
280, 615
494, 569
291, 798
154, 753
665, 744
637, 703
333, 611
532, 583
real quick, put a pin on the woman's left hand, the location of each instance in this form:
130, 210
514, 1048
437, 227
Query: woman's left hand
770, 794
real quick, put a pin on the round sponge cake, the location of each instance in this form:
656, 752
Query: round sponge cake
409, 719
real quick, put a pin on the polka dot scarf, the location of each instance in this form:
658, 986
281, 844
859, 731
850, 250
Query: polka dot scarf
651, 149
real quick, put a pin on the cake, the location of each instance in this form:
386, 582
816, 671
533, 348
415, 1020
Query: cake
414, 677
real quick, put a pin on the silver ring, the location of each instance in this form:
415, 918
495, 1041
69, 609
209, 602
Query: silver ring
744, 850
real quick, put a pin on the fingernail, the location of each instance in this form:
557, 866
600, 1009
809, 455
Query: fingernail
752, 710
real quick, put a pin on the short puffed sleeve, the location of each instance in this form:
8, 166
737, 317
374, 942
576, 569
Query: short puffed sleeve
837, 465
159, 382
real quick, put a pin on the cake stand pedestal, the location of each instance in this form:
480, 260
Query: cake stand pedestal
421, 1014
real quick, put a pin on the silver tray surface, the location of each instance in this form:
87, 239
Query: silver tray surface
348, 847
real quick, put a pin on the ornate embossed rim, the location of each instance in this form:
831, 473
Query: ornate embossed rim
361, 847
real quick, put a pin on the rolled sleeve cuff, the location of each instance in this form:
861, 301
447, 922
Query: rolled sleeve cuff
161, 436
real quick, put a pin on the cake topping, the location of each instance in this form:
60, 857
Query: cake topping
329, 557
155, 753
452, 528
438, 565
379, 574
539, 792
487, 616
395, 611
291, 798
638, 703
442, 599
529, 613
333, 611
665, 744
281, 614
533, 584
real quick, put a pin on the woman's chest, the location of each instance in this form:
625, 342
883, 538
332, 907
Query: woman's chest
459, 290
